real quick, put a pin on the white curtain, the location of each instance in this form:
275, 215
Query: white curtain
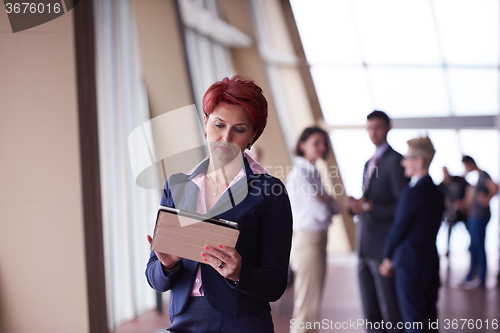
208, 41
129, 212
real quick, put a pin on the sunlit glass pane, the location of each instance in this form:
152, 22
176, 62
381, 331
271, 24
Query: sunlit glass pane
474, 91
445, 143
344, 143
397, 32
327, 31
410, 92
343, 94
469, 31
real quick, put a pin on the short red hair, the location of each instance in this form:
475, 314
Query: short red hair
242, 92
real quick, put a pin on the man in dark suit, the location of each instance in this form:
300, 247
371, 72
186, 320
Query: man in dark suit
410, 248
383, 181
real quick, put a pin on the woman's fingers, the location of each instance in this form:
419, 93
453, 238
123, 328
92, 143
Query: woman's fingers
214, 261
165, 259
225, 260
228, 251
215, 258
224, 252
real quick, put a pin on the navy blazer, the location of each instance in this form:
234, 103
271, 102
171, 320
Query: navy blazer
386, 184
411, 243
265, 223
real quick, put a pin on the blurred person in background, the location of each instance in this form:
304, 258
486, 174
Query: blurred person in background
312, 210
478, 218
383, 181
454, 189
410, 248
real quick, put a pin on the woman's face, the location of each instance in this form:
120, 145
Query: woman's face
314, 147
411, 163
229, 131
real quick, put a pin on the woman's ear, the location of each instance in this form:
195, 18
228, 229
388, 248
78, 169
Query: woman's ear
253, 137
205, 120
301, 146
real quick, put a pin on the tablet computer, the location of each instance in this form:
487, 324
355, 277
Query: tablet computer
185, 234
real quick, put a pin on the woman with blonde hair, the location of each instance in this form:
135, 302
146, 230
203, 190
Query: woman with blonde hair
410, 248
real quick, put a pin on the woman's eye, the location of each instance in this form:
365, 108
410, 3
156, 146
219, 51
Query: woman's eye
240, 130
219, 125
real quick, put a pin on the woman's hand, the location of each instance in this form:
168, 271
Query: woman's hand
386, 269
168, 261
225, 260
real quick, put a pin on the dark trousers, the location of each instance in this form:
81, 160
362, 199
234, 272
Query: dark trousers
417, 298
378, 296
199, 317
477, 230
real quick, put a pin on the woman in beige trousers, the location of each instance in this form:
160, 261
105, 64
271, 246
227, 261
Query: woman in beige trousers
313, 209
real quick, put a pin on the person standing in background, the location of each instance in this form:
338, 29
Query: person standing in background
478, 217
454, 189
312, 210
383, 181
410, 248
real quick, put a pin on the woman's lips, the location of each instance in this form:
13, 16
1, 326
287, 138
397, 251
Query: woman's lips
224, 149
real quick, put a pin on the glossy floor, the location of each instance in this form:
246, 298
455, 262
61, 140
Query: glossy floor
341, 302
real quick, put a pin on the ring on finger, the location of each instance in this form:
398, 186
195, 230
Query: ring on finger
222, 263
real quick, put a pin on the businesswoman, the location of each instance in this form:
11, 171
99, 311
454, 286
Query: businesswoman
232, 290
312, 210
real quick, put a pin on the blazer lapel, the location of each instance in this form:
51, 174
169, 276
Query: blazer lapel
185, 191
380, 162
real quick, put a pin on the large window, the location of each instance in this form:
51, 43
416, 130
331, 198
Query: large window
208, 39
409, 58
436, 59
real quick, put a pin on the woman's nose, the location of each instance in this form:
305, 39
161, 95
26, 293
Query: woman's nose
226, 136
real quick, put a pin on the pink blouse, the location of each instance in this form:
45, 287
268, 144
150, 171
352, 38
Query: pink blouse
201, 208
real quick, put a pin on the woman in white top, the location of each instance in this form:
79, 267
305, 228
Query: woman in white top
312, 209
